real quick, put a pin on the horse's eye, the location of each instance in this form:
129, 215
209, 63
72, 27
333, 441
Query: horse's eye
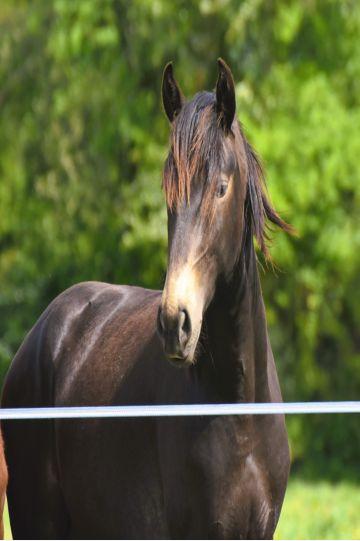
221, 191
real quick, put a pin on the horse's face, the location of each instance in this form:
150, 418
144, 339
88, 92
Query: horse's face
205, 188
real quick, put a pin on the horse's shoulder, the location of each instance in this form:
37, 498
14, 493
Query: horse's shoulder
75, 313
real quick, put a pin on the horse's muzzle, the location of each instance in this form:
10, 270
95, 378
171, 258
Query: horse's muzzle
174, 329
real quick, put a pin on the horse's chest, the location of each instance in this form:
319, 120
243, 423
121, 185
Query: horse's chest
213, 481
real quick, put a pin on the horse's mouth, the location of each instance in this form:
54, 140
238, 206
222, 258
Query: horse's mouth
180, 362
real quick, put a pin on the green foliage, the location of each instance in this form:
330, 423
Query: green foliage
83, 139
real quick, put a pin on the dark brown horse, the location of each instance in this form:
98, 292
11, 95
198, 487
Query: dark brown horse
217, 477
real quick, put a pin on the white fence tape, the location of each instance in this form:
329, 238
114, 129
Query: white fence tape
179, 410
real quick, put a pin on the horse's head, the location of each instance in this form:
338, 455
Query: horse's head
212, 182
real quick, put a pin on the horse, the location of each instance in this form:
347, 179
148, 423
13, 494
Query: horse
203, 339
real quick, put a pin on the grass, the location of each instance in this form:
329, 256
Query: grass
320, 510
312, 510
7, 529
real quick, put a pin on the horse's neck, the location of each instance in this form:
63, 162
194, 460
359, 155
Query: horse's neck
236, 344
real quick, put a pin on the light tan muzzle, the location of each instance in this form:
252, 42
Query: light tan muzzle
180, 315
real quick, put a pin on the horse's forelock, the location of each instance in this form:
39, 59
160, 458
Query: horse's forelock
196, 146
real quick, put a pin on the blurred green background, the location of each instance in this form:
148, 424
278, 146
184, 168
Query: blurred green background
82, 143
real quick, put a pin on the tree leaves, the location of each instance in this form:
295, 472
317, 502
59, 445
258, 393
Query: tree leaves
83, 139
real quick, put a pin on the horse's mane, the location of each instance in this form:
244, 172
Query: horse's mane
196, 151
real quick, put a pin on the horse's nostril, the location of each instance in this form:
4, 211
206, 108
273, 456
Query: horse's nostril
174, 328
184, 325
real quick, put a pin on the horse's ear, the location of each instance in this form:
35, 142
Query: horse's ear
225, 96
172, 96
